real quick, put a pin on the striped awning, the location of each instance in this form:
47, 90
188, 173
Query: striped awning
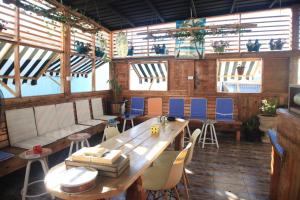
150, 71
80, 65
33, 62
227, 70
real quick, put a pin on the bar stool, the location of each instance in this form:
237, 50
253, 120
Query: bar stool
79, 138
31, 157
212, 131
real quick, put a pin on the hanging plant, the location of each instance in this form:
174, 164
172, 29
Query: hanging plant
240, 69
122, 44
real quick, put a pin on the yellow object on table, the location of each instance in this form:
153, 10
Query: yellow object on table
155, 130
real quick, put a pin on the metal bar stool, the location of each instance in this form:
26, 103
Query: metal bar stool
212, 131
31, 157
79, 138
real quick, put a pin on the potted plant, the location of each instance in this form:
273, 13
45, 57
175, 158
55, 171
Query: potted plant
268, 116
219, 46
253, 46
117, 90
3, 25
251, 130
240, 69
276, 45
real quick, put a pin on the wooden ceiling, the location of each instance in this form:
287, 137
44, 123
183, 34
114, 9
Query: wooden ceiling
117, 14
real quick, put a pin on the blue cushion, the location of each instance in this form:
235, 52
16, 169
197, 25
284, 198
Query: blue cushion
176, 107
273, 137
5, 155
224, 109
198, 108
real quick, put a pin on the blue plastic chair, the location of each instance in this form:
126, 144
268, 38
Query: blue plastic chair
198, 109
137, 109
176, 108
224, 109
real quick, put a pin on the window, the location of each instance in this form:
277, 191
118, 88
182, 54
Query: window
102, 76
239, 75
149, 76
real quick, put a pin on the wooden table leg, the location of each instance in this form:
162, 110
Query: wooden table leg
238, 136
136, 191
179, 140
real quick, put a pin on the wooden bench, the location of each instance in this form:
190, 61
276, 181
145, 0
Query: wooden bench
15, 163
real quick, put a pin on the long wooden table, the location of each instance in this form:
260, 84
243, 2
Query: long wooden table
142, 149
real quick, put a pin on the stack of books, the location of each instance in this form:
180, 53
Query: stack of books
110, 163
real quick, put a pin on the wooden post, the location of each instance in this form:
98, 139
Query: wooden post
136, 191
295, 27
93, 63
65, 60
17, 53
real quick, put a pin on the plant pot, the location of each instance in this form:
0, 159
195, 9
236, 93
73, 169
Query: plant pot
240, 70
267, 122
116, 108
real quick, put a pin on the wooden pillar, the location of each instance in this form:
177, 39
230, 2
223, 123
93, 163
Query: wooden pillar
17, 54
93, 63
191, 79
65, 77
293, 66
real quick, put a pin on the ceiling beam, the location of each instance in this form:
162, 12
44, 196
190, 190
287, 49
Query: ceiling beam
121, 15
233, 6
273, 3
194, 8
154, 9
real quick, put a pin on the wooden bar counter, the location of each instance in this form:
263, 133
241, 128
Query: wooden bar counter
289, 138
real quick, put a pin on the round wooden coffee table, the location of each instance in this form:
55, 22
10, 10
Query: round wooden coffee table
31, 157
79, 138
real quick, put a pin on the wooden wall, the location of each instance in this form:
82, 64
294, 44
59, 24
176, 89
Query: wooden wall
274, 85
44, 100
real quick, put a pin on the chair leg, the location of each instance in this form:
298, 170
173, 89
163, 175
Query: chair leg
124, 125
77, 146
202, 131
215, 134
185, 186
87, 142
211, 134
204, 137
165, 195
189, 131
71, 148
187, 179
176, 193
27, 174
132, 124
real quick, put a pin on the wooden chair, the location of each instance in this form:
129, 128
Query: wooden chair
110, 132
169, 156
166, 176
155, 107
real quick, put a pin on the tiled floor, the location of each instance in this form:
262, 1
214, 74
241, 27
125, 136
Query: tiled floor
235, 171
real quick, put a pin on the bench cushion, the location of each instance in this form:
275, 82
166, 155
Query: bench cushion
97, 110
83, 111
74, 129
92, 122
46, 120
31, 142
20, 124
65, 115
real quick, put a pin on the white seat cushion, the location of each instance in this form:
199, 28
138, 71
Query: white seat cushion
83, 111
46, 119
31, 142
65, 115
21, 125
58, 134
92, 122
75, 128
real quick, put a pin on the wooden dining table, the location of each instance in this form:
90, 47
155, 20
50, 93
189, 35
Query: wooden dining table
142, 149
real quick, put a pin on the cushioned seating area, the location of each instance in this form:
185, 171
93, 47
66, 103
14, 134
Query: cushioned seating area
43, 125
84, 114
97, 110
22, 129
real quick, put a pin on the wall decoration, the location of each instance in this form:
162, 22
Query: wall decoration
219, 46
190, 44
122, 44
253, 46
